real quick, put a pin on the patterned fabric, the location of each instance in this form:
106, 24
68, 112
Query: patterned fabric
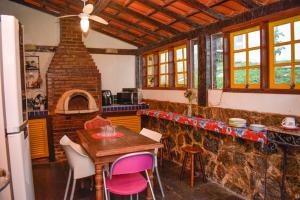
207, 124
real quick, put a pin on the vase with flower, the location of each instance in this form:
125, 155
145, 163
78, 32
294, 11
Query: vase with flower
189, 95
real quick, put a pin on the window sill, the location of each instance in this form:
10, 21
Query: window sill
266, 91
162, 88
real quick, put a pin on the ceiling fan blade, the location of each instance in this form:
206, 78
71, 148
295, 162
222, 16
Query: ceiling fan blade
65, 16
88, 9
98, 19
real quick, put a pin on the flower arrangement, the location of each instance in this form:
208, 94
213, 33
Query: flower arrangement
189, 95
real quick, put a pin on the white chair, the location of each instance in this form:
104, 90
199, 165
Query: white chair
156, 137
80, 163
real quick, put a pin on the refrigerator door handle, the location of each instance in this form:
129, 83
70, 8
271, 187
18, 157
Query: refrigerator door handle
18, 129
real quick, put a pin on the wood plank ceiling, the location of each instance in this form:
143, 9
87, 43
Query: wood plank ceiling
145, 22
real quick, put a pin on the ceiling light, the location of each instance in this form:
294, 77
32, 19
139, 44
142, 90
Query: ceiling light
84, 24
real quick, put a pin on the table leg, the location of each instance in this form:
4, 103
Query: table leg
149, 195
99, 182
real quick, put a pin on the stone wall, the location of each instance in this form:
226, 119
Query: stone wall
245, 167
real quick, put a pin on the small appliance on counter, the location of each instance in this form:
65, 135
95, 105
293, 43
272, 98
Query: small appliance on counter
107, 98
127, 96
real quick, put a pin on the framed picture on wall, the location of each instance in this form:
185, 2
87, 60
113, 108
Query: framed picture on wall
33, 76
32, 63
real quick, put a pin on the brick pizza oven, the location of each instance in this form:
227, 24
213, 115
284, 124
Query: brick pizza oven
73, 85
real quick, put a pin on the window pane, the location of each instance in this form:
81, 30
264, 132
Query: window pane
297, 52
297, 30
162, 80
297, 74
239, 42
150, 81
254, 39
150, 71
162, 57
282, 33
283, 75
180, 79
195, 66
254, 57
217, 61
179, 54
282, 54
179, 66
150, 60
162, 69
240, 76
240, 59
184, 53
254, 76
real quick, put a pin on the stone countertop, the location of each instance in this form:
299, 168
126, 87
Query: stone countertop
207, 124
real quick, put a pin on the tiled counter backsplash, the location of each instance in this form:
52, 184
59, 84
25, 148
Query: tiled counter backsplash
37, 114
124, 108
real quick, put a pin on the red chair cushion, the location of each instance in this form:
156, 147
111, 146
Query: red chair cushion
126, 184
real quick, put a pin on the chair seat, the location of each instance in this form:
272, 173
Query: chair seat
126, 184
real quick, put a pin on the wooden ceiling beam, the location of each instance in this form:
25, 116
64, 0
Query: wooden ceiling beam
248, 3
144, 18
122, 31
170, 13
201, 7
43, 8
100, 6
116, 36
132, 25
255, 14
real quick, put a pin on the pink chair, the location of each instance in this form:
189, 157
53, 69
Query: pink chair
125, 176
96, 122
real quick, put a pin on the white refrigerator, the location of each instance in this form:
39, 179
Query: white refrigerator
13, 116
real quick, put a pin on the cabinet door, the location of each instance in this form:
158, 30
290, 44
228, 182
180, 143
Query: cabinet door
131, 122
38, 138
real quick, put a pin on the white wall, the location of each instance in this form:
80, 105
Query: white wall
167, 95
118, 70
271, 103
43, 29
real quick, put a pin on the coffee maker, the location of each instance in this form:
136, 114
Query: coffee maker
107, 98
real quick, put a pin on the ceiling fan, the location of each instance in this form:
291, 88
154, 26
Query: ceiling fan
85, 16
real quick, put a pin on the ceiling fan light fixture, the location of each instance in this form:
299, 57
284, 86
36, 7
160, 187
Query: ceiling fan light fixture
84, 24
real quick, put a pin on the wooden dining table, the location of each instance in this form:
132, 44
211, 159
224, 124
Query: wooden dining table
106, 150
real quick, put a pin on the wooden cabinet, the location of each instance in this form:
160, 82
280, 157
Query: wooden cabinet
38, 138
132, 122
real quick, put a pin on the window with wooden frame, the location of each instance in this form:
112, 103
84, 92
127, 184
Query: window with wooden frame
163, 68
245, 58
180, 61
150, 70
284, 50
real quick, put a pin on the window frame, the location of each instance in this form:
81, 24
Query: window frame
247, 67
272, 45
153, 70
166, 63
185, 70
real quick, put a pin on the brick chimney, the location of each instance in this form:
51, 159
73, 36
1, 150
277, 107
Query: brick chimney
72, 72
